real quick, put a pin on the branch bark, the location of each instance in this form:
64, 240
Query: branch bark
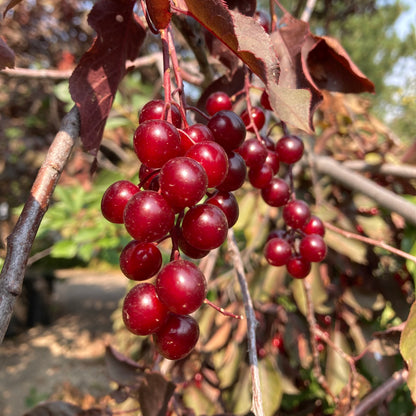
354, 181
19, 242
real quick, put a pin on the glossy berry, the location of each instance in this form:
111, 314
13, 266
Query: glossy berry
268, 142
314, 226
148, 216
277, 251
155, 142
155, 110
218, 101
289, 149
260, 177
273, 161
188, 250
257, 118
149, 178
183, 182
296, 213
228, 129
140, 261
205, 227
115, 199
298, 267
177, 337
143, 313
236, 174
181, 286
277, 193
227, 202
213, 159
195, 134
312, 247
253, 152
264, 101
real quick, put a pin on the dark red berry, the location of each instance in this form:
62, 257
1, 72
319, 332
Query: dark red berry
143, 312
312, 247
183, 182
227, 202
148, 216
195, 134
155, 110
140, 261
188, 250
296, 213
115, 199
260, 177
253, 152
257, 118
276, 193
268, 142
314, 226
149, 178
273, 161
213, 159
177, 337
277, 251
289, 149
218, 101
181, 286
228, 129
236, 174
205, 227
298, 267
155, 142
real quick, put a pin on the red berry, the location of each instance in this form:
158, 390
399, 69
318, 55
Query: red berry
236, 174
228, 129
148, 216
115, 199
149, 178
195, 134
298, 267
155, 142
143, 312
183, 182
260, 177
140, 261
277, 251
227, 202
314, 226
181, 286
257, 116
253, 152
276, 193
273, 161
312, 247
289, 149
205, 227
213, 159
218, 101
177, 337
155, 110
296, 213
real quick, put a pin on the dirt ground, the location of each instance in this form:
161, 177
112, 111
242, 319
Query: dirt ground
67, 355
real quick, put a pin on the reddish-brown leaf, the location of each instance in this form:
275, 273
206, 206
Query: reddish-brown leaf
58, 408
247, 7
159, 12
331, 68
6, 55
95, 80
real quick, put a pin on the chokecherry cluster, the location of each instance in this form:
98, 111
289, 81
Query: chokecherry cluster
185, 193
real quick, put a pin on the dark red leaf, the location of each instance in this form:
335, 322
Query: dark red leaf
331, 67
95, 80
6, 55
159, 12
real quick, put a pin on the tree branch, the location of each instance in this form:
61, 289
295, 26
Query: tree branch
257, 402
356, 182
19, 242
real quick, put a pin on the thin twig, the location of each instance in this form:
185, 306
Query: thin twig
371, 241
307, 11
257, 402
19, 242
379, 394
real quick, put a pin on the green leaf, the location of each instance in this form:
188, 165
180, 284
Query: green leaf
271, 386
408, 349
66, 249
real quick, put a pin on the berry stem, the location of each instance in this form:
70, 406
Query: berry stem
257, 402
222, 310
247, 86
166, 73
